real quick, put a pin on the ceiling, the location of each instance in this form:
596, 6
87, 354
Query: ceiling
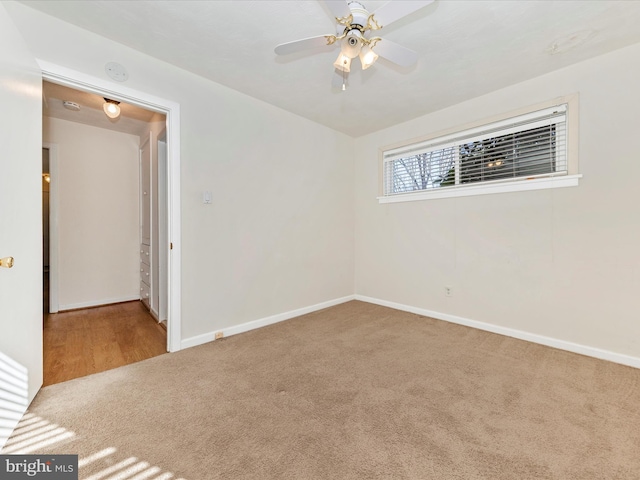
465, 48
133, 120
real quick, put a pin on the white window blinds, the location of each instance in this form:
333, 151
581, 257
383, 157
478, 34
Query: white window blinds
522, 147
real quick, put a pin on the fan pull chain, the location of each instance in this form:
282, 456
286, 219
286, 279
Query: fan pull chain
344, 83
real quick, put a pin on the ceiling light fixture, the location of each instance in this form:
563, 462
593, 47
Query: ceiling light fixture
355, 27
111, 108
355, 44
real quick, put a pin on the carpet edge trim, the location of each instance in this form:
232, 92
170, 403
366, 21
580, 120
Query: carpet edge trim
589, 351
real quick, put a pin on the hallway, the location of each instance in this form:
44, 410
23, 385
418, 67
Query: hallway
91, 340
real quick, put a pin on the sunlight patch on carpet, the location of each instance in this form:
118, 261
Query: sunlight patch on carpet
130, 468
33, 434
14, 395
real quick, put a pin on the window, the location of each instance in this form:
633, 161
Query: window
484, 159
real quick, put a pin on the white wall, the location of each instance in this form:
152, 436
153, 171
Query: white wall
561, 263
98, 213
279, 233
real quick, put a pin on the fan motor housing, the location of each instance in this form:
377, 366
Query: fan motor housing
360, 15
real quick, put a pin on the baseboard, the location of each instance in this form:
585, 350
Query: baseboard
155, 315
262, 322
511, 332
97, 303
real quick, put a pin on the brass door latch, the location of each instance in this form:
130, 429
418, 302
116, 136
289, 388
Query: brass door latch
6, 262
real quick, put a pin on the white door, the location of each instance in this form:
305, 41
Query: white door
20, 216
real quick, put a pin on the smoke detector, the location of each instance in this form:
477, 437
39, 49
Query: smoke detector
69, 105
116, 72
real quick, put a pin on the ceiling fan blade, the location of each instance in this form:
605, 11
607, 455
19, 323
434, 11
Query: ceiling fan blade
338, 8
397, 9
303, 44
396, 53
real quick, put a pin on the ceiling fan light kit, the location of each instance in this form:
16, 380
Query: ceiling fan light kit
354, 27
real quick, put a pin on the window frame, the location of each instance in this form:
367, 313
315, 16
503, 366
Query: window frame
567, 178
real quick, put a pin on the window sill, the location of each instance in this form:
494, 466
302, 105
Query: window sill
486, 189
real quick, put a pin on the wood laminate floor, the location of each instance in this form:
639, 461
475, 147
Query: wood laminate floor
82, 342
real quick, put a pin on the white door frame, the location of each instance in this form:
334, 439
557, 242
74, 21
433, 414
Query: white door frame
163, 242
74, 79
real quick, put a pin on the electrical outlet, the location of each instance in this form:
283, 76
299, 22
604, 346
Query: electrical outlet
219, 335
448, 291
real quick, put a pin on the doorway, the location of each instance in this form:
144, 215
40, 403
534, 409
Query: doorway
171, 138
102, 323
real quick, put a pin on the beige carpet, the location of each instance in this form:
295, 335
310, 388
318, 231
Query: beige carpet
355, 391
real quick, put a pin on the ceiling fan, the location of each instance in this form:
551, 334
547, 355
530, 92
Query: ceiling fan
355, 28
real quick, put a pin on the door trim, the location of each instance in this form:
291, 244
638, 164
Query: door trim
78, 80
